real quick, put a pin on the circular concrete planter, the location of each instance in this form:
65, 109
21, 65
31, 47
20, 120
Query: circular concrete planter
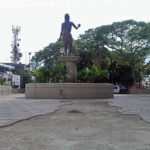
69, 90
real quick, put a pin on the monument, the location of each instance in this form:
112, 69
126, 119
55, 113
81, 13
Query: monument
70, 89
66, 36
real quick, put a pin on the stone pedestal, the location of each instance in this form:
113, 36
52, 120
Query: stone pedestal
71, 62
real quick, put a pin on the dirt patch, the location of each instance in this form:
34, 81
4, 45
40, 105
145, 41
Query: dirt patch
74, 111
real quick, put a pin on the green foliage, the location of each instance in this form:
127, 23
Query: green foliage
48, 56
120, 74
84, 50
95, 43
129, 39
55, 74
2, 81
93, 75
125, 44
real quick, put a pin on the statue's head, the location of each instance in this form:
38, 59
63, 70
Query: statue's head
67, 17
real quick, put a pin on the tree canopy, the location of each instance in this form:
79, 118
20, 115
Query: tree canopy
120, 48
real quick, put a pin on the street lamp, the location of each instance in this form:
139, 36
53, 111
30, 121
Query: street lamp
29, 60
29, 57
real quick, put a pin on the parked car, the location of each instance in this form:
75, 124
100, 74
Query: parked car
124, 90
116, 89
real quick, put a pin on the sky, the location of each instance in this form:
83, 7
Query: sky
41, 20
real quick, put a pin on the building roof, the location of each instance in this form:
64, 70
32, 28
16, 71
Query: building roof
7, 66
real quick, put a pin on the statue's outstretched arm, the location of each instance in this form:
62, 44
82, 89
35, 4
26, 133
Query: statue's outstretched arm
76, 27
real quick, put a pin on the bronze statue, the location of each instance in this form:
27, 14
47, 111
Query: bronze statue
66, 33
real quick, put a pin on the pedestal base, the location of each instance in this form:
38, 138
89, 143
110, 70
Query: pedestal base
71, 64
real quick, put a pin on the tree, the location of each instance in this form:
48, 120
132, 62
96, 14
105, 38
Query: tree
84, 50
130, 39
96, 42
120, 72
48, 56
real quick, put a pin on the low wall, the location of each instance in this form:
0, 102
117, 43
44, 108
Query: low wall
68, 90
5, 90
15, 90
139, 91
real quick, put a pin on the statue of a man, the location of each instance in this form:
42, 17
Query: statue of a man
66, 33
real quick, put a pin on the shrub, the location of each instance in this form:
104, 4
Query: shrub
55, 74
93, 75
2, 81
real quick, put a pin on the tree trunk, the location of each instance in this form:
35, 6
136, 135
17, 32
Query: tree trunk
133, 75
98, 58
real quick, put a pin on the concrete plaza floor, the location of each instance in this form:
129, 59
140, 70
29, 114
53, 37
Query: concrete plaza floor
15, 107
133, 104
76, 125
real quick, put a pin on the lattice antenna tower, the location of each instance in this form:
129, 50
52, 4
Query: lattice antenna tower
16, 54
